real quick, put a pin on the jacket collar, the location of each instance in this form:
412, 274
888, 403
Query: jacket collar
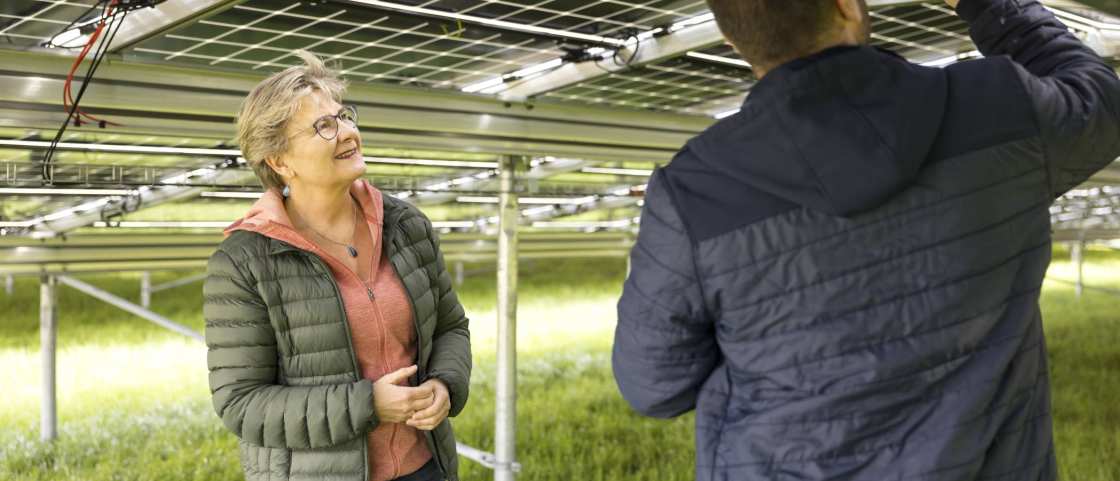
838, 132
269, 217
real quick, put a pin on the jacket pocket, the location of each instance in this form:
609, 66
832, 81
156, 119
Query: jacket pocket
264, 464
345, 461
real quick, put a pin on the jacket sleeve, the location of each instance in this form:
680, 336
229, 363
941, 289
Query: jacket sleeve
1075, 94
243, 363
664, 343
451, 344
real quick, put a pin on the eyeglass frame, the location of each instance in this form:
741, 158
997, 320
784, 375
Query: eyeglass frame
337, 118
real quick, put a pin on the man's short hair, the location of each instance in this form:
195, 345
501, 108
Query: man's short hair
769, 33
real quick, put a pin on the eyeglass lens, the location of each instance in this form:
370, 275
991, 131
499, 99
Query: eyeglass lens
327, 127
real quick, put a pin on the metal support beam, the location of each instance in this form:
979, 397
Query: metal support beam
132, 308
86, 213
48, 335
621, 196
9, 284
149, 22
505, 411
1077, 252
481, 457
636, 54
116, 252
486, 179
179, 282
146, 289
693, 38
149, 99
1108, 6
651, 50
462, 181
605, 202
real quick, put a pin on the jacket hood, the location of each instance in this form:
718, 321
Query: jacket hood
268, 215
839, 132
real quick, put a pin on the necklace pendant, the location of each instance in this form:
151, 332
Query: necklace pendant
353, 252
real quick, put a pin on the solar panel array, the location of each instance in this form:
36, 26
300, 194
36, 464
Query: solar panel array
440, 44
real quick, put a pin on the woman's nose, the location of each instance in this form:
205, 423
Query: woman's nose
348, 132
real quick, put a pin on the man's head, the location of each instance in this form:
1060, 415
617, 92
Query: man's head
769, 33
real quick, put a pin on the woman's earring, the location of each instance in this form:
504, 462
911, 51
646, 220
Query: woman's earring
287, 192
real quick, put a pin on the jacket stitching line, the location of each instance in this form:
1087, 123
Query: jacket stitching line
881, 262
947, 283
874, 223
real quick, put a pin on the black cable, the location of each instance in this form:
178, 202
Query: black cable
49, 156
124, 7
637, 48
95, 61
615, 55
76, 20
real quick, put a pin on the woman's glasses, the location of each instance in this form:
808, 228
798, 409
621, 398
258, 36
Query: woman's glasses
327, 125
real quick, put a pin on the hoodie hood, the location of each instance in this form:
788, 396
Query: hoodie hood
839, 132
269, 217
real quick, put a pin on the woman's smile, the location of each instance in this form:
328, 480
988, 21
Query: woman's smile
351, 153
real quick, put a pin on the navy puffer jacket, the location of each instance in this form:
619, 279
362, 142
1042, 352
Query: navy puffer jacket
843, 279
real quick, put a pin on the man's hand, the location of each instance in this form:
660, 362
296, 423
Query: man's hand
432, 415
396, 403
952, 3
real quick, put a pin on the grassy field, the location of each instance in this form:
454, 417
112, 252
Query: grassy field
134, 405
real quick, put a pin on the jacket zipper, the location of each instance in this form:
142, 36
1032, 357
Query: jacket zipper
353, 355
384, 338
422, 373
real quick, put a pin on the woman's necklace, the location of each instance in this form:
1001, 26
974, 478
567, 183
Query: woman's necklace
353, 251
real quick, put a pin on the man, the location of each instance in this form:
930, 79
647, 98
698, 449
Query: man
843, 278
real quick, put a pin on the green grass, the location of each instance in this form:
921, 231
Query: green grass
134, 405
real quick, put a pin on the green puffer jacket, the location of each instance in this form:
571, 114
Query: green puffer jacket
283, 373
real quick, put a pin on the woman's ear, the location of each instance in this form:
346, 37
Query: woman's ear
280, 167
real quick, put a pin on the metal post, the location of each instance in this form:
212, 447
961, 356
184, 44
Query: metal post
48, 333
9, 284
146, 289
505, 411
1078, 254
177, 283
459, 273
130, 307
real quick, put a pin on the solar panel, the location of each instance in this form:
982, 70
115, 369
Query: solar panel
451, 45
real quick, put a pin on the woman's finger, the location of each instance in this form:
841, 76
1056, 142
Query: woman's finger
433, 415
421, 392
416, 404
425, 424
428, 412
399, 376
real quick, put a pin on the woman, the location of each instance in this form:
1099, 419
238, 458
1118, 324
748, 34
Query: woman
337, 348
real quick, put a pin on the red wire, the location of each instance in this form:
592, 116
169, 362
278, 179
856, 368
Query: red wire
67, 94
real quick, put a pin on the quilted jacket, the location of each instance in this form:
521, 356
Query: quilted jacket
842, 280
283, 373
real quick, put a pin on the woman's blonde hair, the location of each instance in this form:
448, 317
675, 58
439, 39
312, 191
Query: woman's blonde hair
265, 113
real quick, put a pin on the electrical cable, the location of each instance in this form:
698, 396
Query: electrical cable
617, 53
98, 56
115, 21
69, 26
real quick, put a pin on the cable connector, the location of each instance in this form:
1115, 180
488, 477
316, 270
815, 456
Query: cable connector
130, 5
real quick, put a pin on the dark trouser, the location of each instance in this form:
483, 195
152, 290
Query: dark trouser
428, 472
